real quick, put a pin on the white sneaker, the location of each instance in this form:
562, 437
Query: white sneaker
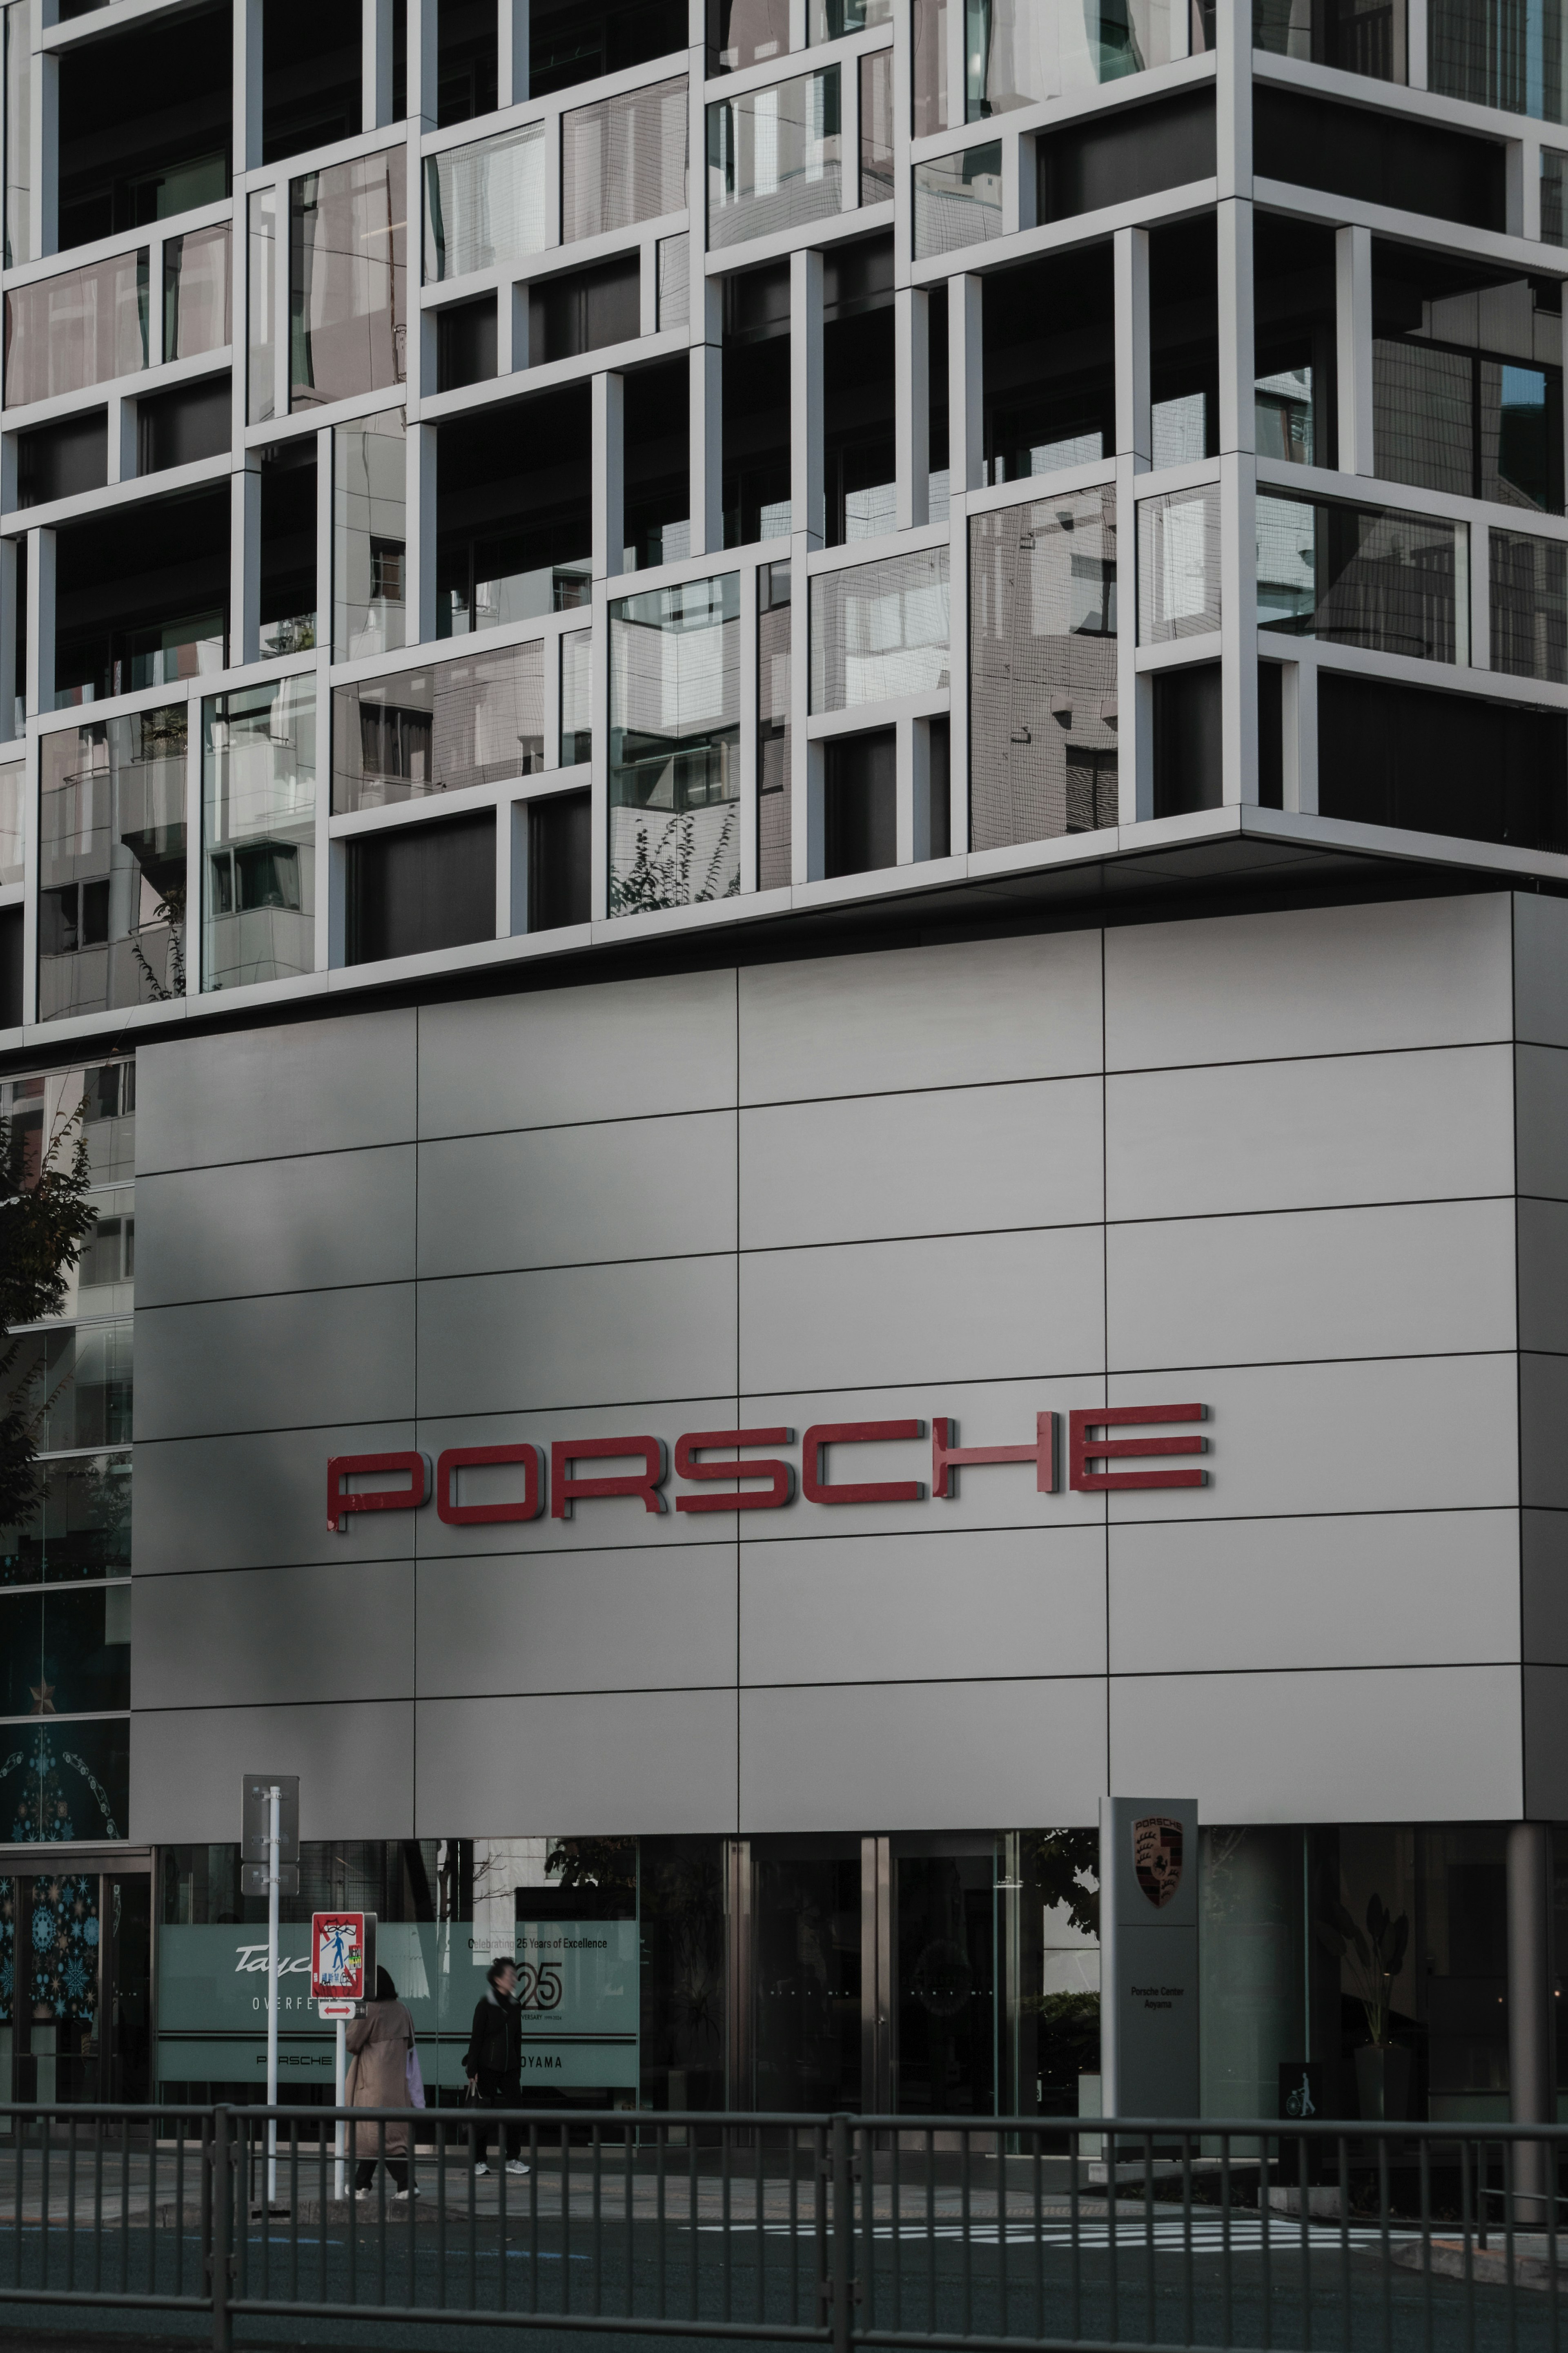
480, 2167
516, 2164
406, 2193
364, 2193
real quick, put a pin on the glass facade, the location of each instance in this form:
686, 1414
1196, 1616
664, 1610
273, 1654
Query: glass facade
1497, 55
674, 711
197, 293
65, 1593
484, 204
348, 281
879, 630
370, 535
258, 833
624, 160
1178, 565
111, 863
773, 158
1042, 669
261, 298
477, 720
85, 327
775, 631
1355, 576
1528, 606
958, 200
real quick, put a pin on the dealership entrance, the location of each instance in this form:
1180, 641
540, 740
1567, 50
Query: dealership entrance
76, 1951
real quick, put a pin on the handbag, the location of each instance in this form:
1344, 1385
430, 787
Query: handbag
413, 2078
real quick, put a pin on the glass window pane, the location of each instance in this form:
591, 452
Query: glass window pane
1528, 600
82, 328
775, 795
1467, 378
478, 720
1497, 55
929, 28
1178, 565
1551, 174
674, 281
576, 698
78, 1381
13, 820
18, 131
675, 708
111, 864
753, 31
369, 535
79, 1527
484, 204
773, 158
1042, 664
258, 833
261, 298
1422, 417
348, 296
958, 200
622, 161
876, 127
196, 293
879, 630
1356, 576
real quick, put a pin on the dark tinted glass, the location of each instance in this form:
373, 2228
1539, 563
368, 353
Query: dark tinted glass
1382, 159
558, 851
1188, 759
860, 804
567, 316
177, 428
432, 886
1134, 152
466, 343
1450, 763
57, 461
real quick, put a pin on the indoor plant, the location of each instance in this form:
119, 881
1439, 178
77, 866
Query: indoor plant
1376, 1957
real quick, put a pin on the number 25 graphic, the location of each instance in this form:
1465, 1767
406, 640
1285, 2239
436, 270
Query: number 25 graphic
539, 1988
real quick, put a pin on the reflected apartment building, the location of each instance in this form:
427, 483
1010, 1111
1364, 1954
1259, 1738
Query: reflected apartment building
773, 768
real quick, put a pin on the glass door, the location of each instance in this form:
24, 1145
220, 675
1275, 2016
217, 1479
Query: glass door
943, 1957
75, 1967
805, 1955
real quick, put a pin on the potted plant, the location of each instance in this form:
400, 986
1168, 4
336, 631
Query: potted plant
1376, 1957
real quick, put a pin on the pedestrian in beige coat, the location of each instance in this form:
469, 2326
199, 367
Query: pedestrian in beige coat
380, 2042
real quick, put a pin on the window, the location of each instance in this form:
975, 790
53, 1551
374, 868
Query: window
484, 204
674, 281
582, 313
1467, 379
1499, 55
755, 397
1551, 178
859, 449
1178, 565
879, 630
860, 803
348, 298
675, 712
261, 303
1396, 583
1137, 153
475, 719
1448, 763
958, 200
13, 819
576, 40
1049, 371
576, 698
190, 421
1184, 342
622, 161
514, 512
1528, 601
1187, 744
196, 293
1295, 356
559, 860
1382, 159
85, 327
422, 888
289, 546
18, 132
927, 29
876, 128
773, 158
258, 833
1364, 37
1042, 665
144, 118
774, 777
466, 343
369, 534
112, 865
58, 461
657, 465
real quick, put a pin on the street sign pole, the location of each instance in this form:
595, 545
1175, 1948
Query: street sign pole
274, 1799
340, 2097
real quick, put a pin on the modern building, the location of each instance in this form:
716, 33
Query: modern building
790, 794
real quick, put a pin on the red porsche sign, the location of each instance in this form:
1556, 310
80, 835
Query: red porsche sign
717, 1461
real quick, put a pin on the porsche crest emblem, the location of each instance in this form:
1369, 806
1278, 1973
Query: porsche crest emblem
1157, 1857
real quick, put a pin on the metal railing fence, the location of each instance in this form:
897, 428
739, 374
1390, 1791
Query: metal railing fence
841, 2231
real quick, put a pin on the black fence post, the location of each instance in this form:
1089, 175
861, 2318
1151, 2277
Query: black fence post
221, 2209
843, 2232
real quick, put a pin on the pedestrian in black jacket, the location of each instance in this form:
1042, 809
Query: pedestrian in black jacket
493, 2064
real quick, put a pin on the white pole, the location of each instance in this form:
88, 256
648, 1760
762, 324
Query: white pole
341, 2095
274, 1797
